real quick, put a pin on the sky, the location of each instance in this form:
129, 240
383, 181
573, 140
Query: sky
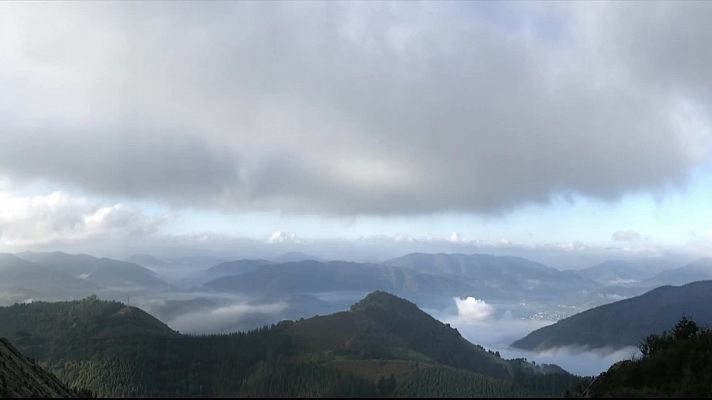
535, 125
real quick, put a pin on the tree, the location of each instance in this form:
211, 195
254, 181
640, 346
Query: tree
685, 329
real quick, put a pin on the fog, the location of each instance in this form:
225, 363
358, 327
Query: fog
496, 331
224, 319
576, 360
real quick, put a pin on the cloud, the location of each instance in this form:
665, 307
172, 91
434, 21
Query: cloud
471, 309
403, 237
59, 218
283, 237
626, 236
354, 108
455, 237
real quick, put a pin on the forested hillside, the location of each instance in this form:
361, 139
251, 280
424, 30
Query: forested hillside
383, 346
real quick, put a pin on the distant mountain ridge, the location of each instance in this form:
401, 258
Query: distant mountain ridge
146, 260
500, 277
294, 256
237, 267
21, 280
314, 276
624, 272
100, 271
695, 271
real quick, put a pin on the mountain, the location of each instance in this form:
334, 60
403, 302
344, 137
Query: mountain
40, 323
695, 271
624, 272
101, 271
502, 277
384, 326
236, 267
676, 363
295, 256
625, 322
21, 280
146, 260
382, 346
20, 377
313, 276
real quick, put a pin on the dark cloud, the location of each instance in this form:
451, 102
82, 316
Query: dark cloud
354, 108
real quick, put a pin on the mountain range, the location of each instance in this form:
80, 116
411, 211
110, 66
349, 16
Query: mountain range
334, 276
100, 271
21, 280
237, 267
514, 285
500, 277
625, 272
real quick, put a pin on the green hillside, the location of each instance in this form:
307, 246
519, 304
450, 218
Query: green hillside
383, 346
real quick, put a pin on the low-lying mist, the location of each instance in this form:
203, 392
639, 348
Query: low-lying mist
579, 361
230, 318
482, 323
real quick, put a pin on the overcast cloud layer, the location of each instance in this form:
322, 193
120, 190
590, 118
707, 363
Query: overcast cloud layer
354, 108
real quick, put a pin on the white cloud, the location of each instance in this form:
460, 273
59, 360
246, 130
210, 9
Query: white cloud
455, 237
27, 221
471, 309
403, 237
283, 237
628, 235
